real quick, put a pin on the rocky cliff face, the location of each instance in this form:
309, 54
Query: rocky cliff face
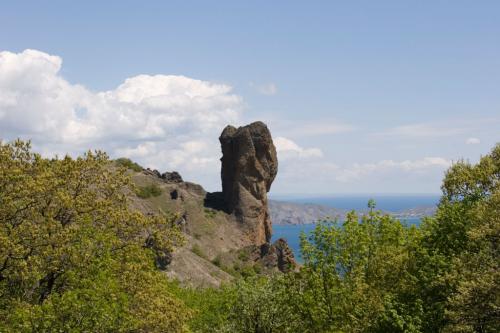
227, 233
249, 166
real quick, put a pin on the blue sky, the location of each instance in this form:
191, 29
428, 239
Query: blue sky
375, 96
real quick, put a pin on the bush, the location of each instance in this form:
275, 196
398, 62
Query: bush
128, 164
148, 191
243, 255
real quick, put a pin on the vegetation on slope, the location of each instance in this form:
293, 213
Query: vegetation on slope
128, 164
148, 191
74, 257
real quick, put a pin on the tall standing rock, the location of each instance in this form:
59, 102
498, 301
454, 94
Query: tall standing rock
249, 166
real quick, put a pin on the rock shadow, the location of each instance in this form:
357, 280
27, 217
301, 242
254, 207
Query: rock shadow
215, 200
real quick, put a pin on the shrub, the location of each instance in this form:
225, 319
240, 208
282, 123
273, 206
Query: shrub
128, 164
243, 255
148, 191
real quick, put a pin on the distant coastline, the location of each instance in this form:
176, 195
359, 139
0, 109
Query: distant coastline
294, 210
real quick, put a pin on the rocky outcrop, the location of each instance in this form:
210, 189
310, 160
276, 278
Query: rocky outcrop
172, 177
249, 166
278, 255
167, 177
230, 229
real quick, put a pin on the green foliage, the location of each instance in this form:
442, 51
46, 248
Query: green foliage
246, 271
355, 279
261, 304
128, 164
73, 256
210, 213
459, 262
148, 191
374, 274
243, 255
211, 307
257, 304
355, 275
371, 204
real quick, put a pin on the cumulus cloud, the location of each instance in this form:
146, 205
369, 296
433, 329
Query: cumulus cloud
472, 141
163, 121
286, 148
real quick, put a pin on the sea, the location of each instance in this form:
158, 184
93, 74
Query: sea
392, 203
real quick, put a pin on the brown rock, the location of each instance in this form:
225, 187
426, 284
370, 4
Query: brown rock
172, 177
249, 166
278, 255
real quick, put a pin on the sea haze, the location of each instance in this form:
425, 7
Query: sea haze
410, 209
387, 202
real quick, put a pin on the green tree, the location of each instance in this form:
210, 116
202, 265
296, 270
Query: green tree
262, 305
256, 304
355, 276
371, 204
73, 256
458, 263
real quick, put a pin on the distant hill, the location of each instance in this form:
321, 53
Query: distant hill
283, 212
291, 213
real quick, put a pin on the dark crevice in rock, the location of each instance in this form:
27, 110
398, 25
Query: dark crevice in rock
215, 200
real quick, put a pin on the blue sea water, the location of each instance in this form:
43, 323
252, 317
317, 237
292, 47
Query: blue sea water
392, 203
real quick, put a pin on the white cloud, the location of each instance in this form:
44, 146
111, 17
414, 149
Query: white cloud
162, 121
169, 123
472, 141
424, 130
328, 175
357, 170
286, 148
268, 89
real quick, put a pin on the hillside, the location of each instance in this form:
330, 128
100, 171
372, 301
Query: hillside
227, 234
209, 233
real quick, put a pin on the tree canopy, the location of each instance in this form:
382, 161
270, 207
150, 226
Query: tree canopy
73, 256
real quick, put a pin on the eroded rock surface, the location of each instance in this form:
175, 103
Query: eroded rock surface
278, 255
249, 166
